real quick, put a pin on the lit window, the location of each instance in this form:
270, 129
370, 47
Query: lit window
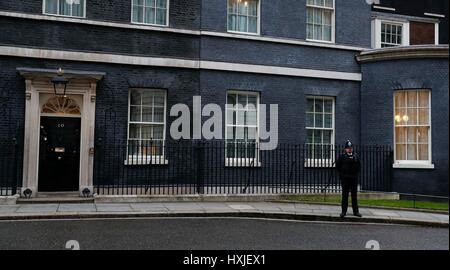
154, 12
412, 126
320, 128
70, 8
243, 16
242, 128
147, 121
320, 20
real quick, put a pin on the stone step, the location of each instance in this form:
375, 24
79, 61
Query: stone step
58, 197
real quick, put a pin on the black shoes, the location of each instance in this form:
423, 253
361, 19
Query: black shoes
357, 214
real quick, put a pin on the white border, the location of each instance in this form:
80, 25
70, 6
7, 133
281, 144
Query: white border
153, 24
66, 16
148, 159
258, 30
318, 162
412, 164
376, 31
243, 162
333, 22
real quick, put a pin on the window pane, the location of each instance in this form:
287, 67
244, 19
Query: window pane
135, 113
159, 100
252, 102
319, 120
149, 16
240, 133
400, 135
310, 105
251, 118
423, 152
328, 106
231, 99
147, 113
135, 97
134, 131
412, 117
253, 25
328, 121
424, 117
424, 99
422, 134
317, 137
78, 9
309, 15
231, 117
64, 8
161, 3
242, 100
147, 98
51, 6
400, 99
158, 131
138, 12
158, 115
327, 136
251, 134
230, 133
412, 135
310, 136
241, 117
319, 106
400, 152
146, 132
412, 99
253, 8
161, 15
412, 152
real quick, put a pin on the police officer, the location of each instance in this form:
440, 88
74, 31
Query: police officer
348, 165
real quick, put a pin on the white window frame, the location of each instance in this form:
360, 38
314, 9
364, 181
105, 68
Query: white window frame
333, 22
258, 24
243, 162
147, 159
414, 164
315, 162
61, 15
376, 31
153, 24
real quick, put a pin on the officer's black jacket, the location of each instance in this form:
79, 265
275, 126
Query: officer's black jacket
348, 166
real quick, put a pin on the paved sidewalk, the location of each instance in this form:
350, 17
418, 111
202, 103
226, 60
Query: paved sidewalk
298, 211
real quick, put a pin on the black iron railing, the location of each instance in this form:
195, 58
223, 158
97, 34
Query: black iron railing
9, 174
217, 167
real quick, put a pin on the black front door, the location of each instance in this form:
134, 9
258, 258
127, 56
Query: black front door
59, 154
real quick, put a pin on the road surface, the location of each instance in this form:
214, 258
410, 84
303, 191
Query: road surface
214, 234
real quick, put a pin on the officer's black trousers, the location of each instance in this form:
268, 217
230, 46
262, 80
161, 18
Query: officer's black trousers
350, 185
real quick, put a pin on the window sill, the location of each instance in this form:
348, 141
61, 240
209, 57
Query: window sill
64, 16
151, 24
244, 33
242, 163
146, 161
320, 41
423, 166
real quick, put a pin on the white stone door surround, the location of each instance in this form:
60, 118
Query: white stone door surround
82, 87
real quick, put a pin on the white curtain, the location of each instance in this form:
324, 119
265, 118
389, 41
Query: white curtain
51, 6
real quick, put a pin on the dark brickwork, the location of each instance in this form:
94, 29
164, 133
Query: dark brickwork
68, 36
183, 13
380, 80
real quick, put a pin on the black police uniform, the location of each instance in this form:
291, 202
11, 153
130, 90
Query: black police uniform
348, 166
